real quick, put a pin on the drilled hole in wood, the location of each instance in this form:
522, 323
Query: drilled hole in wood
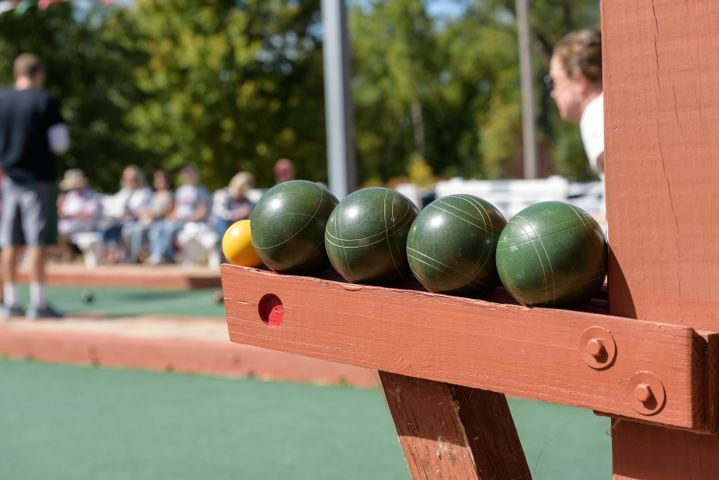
271, 310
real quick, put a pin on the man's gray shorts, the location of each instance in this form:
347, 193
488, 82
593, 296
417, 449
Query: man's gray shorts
26, 213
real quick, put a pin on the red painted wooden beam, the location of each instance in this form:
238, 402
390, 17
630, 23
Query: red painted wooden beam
637, 369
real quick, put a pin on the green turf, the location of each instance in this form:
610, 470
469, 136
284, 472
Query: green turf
60, 422
563, 442
134, 301
81, 423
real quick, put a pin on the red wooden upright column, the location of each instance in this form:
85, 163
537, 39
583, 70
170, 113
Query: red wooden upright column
661, 86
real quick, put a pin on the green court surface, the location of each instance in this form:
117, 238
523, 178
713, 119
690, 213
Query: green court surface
81, 423
121, 302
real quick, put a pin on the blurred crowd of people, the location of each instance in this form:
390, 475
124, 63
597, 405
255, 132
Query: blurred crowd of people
141, 223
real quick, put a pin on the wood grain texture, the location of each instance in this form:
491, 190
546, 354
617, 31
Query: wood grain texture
532, 353
661, 84
452, 432
661, 79
711, 414
647, 452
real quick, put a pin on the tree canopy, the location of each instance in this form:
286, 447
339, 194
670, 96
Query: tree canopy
236, 84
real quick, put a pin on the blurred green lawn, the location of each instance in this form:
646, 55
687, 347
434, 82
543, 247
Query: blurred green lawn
119, 302
65, 422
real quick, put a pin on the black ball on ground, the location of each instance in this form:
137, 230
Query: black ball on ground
87, 296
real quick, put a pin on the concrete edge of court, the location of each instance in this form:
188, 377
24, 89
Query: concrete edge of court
188, 345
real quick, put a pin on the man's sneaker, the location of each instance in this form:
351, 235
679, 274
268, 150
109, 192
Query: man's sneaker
42, 312
8, 312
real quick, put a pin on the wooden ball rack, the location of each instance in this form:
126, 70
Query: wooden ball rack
648, 357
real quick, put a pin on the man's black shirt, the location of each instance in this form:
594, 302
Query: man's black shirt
25, 117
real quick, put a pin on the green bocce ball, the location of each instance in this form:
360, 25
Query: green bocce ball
452, 244
288, 226
366, 235
552, 254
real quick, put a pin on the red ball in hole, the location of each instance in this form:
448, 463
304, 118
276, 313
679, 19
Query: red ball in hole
271, 310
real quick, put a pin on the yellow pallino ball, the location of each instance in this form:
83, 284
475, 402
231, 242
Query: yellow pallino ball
237, 245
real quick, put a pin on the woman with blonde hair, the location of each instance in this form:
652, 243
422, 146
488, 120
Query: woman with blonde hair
231, 204
575, 84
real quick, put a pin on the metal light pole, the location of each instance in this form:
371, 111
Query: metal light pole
338, 99
529, 139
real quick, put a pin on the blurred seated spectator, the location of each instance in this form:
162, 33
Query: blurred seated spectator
192, 204
284, 170
231, 204
78, 208
196, 242
124, 208
135, 234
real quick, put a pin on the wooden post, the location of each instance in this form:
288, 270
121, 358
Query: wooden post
661, 86
449, 431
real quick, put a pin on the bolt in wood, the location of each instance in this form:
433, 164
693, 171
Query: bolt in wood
595, 347
643, 393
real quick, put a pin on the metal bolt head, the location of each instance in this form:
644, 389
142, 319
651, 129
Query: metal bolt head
643, 393
595, 347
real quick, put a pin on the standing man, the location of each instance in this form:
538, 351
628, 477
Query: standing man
31, 133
